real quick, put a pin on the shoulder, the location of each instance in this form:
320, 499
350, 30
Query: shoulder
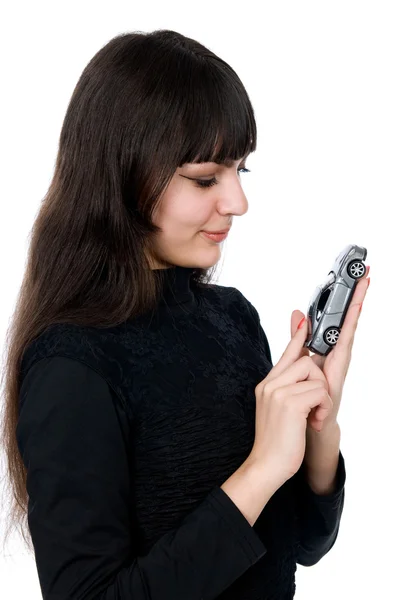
66, 351
60, 370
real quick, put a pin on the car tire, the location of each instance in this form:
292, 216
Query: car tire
356, 269
331, 336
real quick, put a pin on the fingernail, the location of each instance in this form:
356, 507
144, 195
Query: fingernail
360, 308
301, 323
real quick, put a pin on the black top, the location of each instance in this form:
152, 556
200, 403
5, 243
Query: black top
127, 434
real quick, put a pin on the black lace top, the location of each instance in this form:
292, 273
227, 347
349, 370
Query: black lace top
127, 434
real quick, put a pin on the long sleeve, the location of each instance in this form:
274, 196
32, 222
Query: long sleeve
319, 516
73, 436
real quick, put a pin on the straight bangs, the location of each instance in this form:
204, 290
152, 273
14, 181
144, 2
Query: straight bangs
218, 122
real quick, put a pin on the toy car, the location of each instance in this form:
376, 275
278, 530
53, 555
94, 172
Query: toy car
330, 301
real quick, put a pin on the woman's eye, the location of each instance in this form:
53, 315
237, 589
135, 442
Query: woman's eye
206, 183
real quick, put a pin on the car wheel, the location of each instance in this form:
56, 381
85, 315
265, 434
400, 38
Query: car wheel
356, 269
331, 336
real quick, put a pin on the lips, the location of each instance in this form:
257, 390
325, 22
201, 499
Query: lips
215, 237
217, 232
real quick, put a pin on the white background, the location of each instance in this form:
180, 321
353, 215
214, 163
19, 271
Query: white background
324, 80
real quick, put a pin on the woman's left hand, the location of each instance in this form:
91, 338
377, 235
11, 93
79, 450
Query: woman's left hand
335, 364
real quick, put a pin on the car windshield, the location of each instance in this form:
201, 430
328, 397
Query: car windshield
328, 281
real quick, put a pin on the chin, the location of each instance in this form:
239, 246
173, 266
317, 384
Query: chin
205, 264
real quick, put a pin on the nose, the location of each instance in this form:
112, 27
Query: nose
233, 200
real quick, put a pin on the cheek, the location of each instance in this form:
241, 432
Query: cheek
184, 211
190, 217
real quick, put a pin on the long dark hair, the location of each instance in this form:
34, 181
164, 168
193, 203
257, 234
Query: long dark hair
145, 104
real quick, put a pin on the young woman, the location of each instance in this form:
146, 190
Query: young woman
152, 446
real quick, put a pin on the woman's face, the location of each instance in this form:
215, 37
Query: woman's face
186, 209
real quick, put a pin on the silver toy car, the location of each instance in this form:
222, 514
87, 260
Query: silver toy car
330, 301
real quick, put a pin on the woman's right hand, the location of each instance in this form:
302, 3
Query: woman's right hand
284, 400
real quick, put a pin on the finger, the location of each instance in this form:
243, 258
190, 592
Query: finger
300, 387
350, 324
315, 418
360, 291
319, 411
300, 370
292, 351
319, 404
296, 317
